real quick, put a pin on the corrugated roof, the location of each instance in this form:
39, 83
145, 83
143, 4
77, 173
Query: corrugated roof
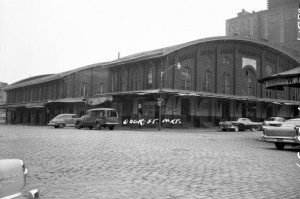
295, 72
165, 51
47, 78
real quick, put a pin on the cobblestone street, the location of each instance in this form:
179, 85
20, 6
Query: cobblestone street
194, 163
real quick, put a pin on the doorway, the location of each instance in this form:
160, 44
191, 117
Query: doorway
185, 109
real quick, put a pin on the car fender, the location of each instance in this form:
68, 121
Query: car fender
100, 120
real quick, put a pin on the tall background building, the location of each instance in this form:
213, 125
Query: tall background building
277, 24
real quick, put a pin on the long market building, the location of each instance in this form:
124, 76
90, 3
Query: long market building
217, 81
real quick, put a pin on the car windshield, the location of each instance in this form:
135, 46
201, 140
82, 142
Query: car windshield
59, 117
291, 123
271, 119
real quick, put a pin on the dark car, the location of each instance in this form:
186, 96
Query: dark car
98, 118
274, 121
286, 134
12, 180
63, 120
240, 124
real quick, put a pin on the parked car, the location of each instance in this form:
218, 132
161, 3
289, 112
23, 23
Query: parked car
286, 134
274, 121
240, 124
63, 120
98, 118
12, 180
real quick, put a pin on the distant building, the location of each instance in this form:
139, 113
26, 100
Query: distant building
2, 101
277, 24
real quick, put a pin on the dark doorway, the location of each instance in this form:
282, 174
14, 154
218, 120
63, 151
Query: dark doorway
185, 109
226, 111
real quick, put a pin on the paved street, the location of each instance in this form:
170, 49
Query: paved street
194, 163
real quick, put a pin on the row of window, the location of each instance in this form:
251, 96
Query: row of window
44, 92
136, 82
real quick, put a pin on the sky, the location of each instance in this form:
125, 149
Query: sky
52, 36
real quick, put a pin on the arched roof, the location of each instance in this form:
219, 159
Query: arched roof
167, 50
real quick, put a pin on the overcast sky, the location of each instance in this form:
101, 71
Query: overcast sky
52, 36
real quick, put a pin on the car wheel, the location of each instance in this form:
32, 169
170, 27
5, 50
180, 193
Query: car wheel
98, 126
61, 125
279, 145
236, 128
77, 125
111, 127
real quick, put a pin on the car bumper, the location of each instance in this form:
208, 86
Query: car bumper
33, 194
291, 140
227, 127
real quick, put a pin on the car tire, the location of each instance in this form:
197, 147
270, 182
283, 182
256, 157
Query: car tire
236, 128
279, 145
61, 125
111, 127
98, 126
78, 125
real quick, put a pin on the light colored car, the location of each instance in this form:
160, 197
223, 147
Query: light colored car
240, 124
12, 180
274, 121
98, 118
286, 134
62, 120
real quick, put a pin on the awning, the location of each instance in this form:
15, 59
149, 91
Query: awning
35, 105
99, 100
290, 78
68, 100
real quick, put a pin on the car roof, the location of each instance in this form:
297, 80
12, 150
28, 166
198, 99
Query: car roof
98, 109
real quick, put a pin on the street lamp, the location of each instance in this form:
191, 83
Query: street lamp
160, 91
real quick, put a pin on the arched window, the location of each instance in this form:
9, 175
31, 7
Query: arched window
84, 89
250, 82
226, 84
208, 82
149, 78
186, 78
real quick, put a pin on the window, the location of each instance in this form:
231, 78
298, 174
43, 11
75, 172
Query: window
186, 79
149, 78
84, 89
250, 83
124, 81
207, 82
137, 81
226, 84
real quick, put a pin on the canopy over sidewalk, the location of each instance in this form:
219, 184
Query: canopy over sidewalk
290, 78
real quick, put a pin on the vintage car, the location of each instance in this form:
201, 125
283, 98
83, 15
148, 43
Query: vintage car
62, 120
98, 118
286, 134
274, 121
240, 124
12, 180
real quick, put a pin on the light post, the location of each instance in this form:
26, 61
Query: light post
160, 91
